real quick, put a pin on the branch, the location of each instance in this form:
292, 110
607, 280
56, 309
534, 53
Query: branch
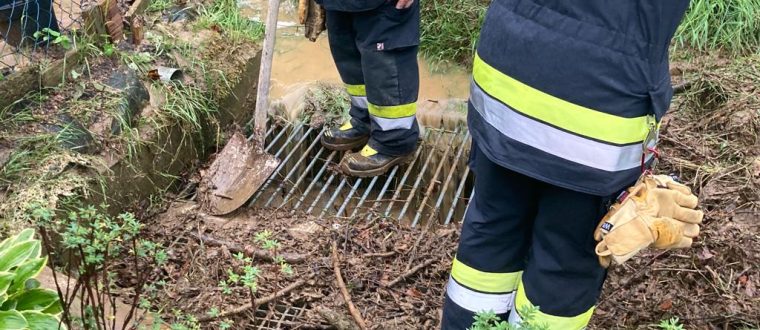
290, 258
259, 302
351, 308
410, 272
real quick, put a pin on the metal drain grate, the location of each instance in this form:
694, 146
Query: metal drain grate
279, 316
434, 186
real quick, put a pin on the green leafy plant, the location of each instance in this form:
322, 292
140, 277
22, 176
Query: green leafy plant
490, 321
54, 36
25, 305
671, 324
93, 242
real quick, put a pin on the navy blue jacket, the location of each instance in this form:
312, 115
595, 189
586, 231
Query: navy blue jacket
351, 5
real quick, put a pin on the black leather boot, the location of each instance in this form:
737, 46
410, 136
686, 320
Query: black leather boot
368, 163
344, 138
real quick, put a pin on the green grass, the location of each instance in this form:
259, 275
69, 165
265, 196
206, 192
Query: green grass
730, 25
159, 5
187, 105
225, 15
450, 30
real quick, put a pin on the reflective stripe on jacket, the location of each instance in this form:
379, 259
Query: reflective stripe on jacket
568, 91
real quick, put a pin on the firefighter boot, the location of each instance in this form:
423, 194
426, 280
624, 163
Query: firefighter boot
369, 163
346, 137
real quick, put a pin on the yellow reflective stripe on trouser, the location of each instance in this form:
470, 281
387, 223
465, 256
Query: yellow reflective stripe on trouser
473, 301
356, 90
555, 111
393, 111
484, 281
551, 322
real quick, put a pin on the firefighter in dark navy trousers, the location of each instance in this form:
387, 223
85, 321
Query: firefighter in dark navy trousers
374, 44
564, 108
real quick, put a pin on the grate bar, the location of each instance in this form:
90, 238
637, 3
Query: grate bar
314, 182
298, 163
333, 197
348, 198
283, 162
322, 191
419, 177
406, 175
457, 159
385, 187
431, 185
456, 196
366, 192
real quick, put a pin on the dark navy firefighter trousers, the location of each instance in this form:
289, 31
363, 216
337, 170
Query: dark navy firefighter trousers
375, 51
525, 244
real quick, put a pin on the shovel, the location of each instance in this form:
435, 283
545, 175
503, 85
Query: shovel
243, 165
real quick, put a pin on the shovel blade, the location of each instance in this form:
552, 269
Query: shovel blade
238, 171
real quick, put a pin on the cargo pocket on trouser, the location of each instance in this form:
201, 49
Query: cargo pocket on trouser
387, 38
388, 28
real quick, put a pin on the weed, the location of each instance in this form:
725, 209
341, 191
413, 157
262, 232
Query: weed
489, 321
56, 37
187, 105
671, 324
732, 25
159, 5
226, 16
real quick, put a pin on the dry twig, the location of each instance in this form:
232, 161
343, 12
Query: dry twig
290, 258
351, 308
410, 272
259, 302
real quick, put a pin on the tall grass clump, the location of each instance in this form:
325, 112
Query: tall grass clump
730, 25
226, 16
450, 29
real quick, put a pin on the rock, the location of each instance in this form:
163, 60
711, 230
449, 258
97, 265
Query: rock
304, 231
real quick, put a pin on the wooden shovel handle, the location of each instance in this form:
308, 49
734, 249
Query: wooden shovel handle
265, 72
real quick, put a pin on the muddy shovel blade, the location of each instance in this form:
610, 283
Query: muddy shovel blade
236, 174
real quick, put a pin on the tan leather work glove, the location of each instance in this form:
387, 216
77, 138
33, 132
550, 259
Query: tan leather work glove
312, 16
657, 212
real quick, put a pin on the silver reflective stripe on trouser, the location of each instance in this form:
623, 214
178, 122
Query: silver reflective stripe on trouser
474, 301
387, 124
574, 148
359, 101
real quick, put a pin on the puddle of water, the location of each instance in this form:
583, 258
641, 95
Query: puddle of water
298, 60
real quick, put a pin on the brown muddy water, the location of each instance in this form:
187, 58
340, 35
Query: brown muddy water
298, 61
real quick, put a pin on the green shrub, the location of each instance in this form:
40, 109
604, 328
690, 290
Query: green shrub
24, 304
